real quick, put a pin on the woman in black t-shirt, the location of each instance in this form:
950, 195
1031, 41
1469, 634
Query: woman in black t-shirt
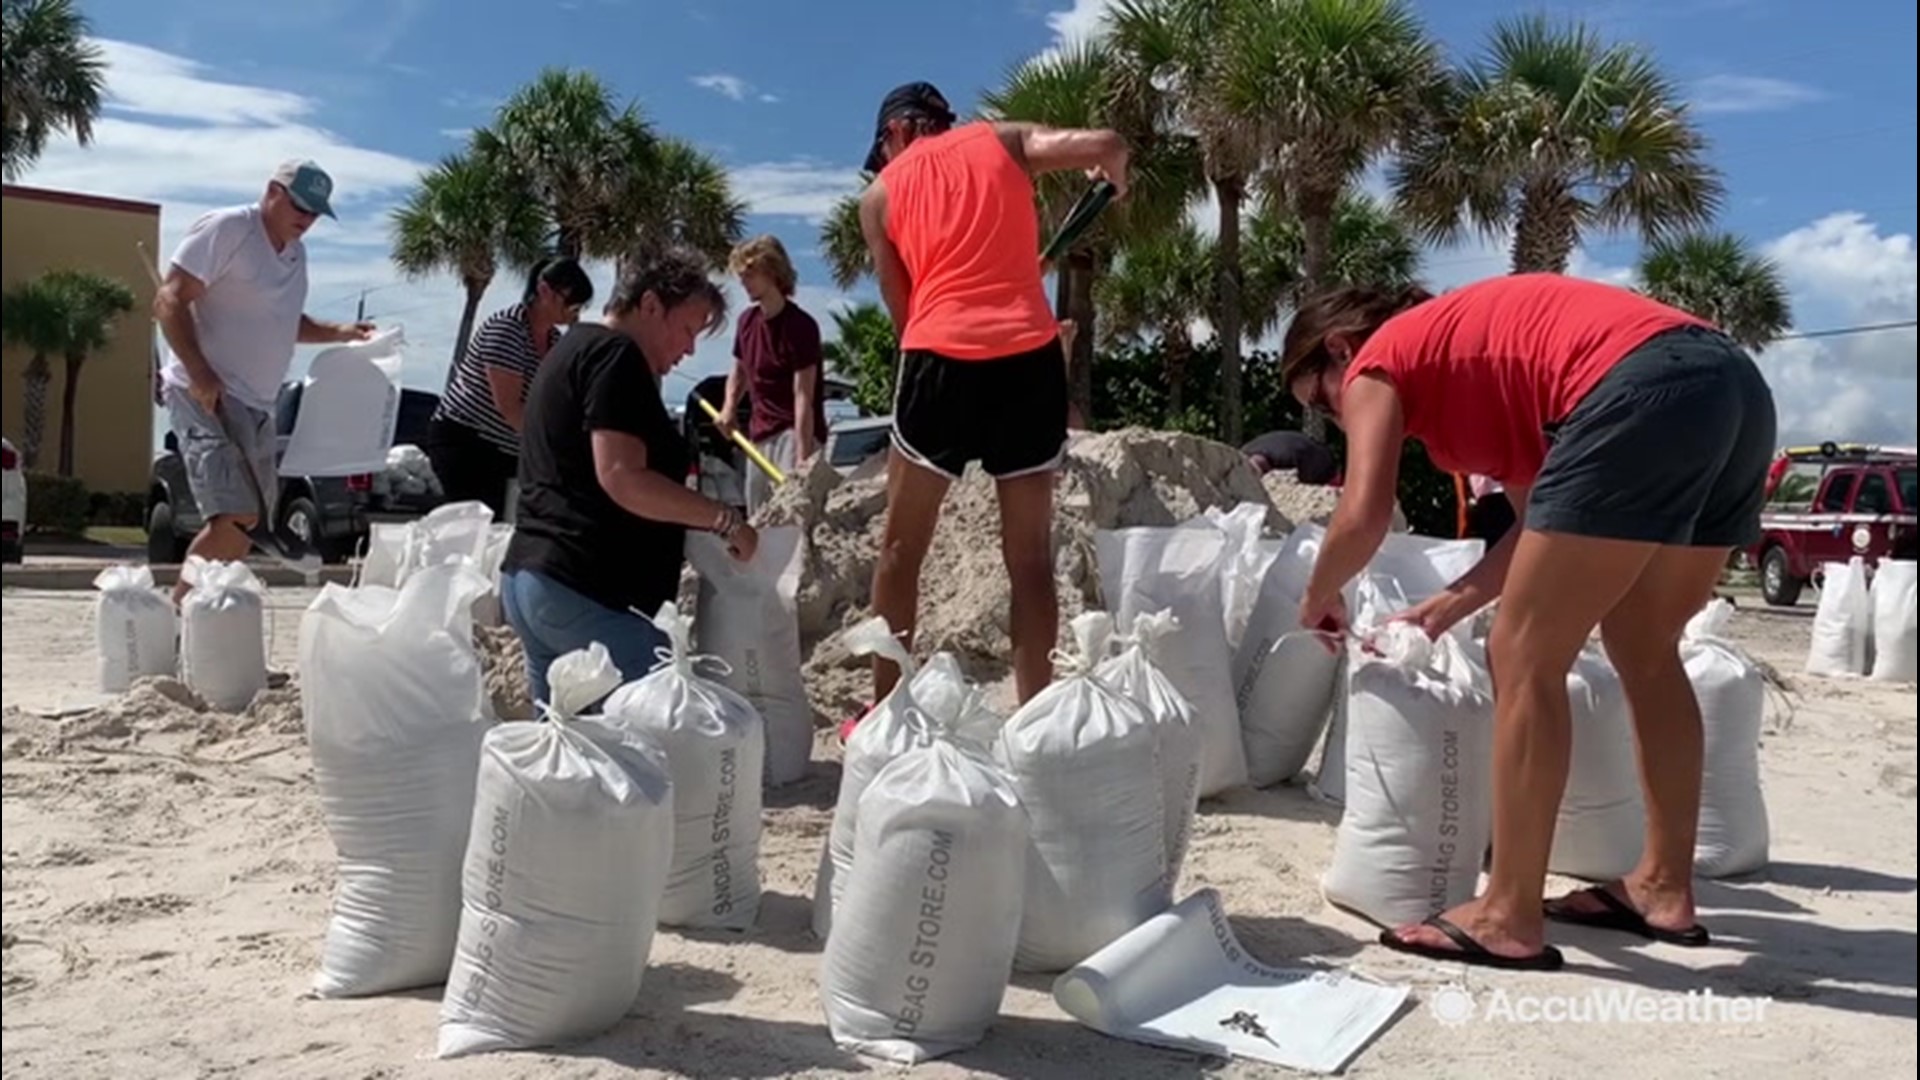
604, 504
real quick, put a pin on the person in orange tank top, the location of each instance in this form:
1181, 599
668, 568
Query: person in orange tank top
1633, 440
955, 240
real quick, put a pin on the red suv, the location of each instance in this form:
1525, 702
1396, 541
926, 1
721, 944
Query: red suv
1829, 504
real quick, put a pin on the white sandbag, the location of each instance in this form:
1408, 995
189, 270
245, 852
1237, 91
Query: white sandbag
1086, 764
133, 628
715, 745
396, 710
1248, 558
488, 610
941, 696
1843, 624
1734, 833
1329, 782
923, 948
386, 559
1896, 657
349, 409
1419, 798
572, 837
747, 618
1133, 675
1420, 567
1601, 827
1284, 675
1148, 570
223, 642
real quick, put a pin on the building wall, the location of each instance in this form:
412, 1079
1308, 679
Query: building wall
113, 426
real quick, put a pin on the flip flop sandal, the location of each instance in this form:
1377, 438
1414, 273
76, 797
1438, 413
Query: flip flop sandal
1616, 914
1469, 951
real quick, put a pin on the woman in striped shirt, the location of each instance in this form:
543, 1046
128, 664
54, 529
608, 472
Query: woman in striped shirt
474, 441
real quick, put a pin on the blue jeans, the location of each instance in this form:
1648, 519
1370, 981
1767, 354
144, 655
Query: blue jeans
553, 620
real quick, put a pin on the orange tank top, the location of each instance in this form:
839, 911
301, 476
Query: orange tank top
960, 210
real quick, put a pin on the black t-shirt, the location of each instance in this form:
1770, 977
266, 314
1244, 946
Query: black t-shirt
1292, 450
568, 527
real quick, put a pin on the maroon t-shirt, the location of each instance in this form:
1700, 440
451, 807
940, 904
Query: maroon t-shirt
771, 352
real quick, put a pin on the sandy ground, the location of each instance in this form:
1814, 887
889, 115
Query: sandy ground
164, 903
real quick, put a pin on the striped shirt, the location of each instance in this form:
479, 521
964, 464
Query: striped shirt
504, 341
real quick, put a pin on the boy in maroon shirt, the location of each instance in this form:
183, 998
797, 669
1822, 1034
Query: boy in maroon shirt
777, 361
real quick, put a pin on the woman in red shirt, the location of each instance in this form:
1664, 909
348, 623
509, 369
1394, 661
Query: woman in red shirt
1633, 440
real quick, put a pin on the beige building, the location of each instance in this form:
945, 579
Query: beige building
44, 230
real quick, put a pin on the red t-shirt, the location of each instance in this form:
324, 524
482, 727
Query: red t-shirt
1481, 371
771, 352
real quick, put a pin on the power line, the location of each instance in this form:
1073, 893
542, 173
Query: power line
1843, 331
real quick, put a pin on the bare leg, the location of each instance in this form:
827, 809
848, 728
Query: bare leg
1026, 542
914, 495
1642, 637
222, 539
1558, 590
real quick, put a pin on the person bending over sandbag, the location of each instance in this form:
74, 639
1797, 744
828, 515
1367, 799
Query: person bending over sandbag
1633, 440
604, 507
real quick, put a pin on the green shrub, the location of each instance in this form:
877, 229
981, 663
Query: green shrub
58, 505
122, 509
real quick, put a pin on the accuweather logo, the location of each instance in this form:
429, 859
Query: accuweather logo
1454, 1005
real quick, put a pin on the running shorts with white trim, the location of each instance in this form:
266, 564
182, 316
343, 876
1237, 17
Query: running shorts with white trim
1008, 414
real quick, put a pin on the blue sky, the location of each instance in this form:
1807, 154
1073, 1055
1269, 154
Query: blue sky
1810, 109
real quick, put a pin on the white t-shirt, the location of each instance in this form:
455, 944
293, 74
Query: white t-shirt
249, 320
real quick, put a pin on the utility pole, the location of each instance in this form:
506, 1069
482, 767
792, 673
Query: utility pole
361, 314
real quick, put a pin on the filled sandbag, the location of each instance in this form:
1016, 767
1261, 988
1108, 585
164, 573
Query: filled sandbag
396, 709
489, 610
715, 744
1248, 558
1419, 793
1896, 636
1085, 762
1284, 675
223, 635
941, 696
1601, 827
747, 617
1843, 624
923, 947
1147, 570
568, 856
1133, 674
133, 628
1734, 834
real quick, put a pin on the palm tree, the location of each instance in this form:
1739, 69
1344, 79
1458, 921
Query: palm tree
93, 304
670, 192
1553, 133
33, 318
1715, 276
1368, 245
842, 243
1157, 287
466, 218
51, 79
556, 136
863, 350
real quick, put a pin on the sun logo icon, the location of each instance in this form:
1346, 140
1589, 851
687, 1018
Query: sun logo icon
1452, 1005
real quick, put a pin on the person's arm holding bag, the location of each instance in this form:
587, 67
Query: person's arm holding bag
1375, 427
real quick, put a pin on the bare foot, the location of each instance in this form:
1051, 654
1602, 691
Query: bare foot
1501, 935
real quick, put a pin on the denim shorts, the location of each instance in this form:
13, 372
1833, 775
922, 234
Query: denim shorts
553, 620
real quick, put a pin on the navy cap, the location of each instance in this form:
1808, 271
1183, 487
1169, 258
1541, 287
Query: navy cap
915, 100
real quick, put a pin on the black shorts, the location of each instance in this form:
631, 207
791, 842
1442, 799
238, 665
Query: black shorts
1009, 414
1672, 447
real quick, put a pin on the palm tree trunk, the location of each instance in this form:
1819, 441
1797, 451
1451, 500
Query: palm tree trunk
476, 288
1316, 209
1545, 233
1178, 344
1080, 307
33, 419
1231, 406
69, 411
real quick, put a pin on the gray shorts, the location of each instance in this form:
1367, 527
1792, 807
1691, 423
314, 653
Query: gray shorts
779, 450
215, 462
1672, 448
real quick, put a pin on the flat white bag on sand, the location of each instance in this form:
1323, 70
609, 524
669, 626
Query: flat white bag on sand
349, 409
396, 710
1179, 980
919, 960
1896, 637
572, 837
746, 617
1147, 570
941, 695
1284, 676
223, 635
1248, 558
715, 743
1843, 623
1086, 763
1419, 808
1601, 828
1133, 675
1734, 833
133, 627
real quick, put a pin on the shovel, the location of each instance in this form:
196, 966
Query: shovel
1079, 219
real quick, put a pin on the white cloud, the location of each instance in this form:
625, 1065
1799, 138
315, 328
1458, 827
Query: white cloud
148, 82
804, 188
1750, 94
770, 99
1080, 22
1843, 257
732, 86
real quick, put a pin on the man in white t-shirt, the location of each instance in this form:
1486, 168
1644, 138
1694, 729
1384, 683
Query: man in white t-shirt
232, 308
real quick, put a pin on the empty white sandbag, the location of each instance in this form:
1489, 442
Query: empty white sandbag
1133, 674
133, 628
746, 617
715, 743
1086, 764
922, 949
1601, 827
396, 709
223, 642
1248, 558
571, 842
1896, 634
1284, 675
1734, 834
1843, 623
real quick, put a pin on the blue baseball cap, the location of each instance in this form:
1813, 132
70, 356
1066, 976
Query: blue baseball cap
307, 184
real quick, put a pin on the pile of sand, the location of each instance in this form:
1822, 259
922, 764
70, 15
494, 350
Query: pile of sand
155, 711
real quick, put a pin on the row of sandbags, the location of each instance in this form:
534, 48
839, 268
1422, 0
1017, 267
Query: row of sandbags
216, 643
1867, 622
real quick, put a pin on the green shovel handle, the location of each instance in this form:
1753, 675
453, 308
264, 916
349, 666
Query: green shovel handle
1079, 219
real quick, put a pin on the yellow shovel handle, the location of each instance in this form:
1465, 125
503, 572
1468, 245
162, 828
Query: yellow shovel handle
745, 444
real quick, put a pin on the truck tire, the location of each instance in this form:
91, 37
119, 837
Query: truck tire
165, 545
1777, 581
302, 519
